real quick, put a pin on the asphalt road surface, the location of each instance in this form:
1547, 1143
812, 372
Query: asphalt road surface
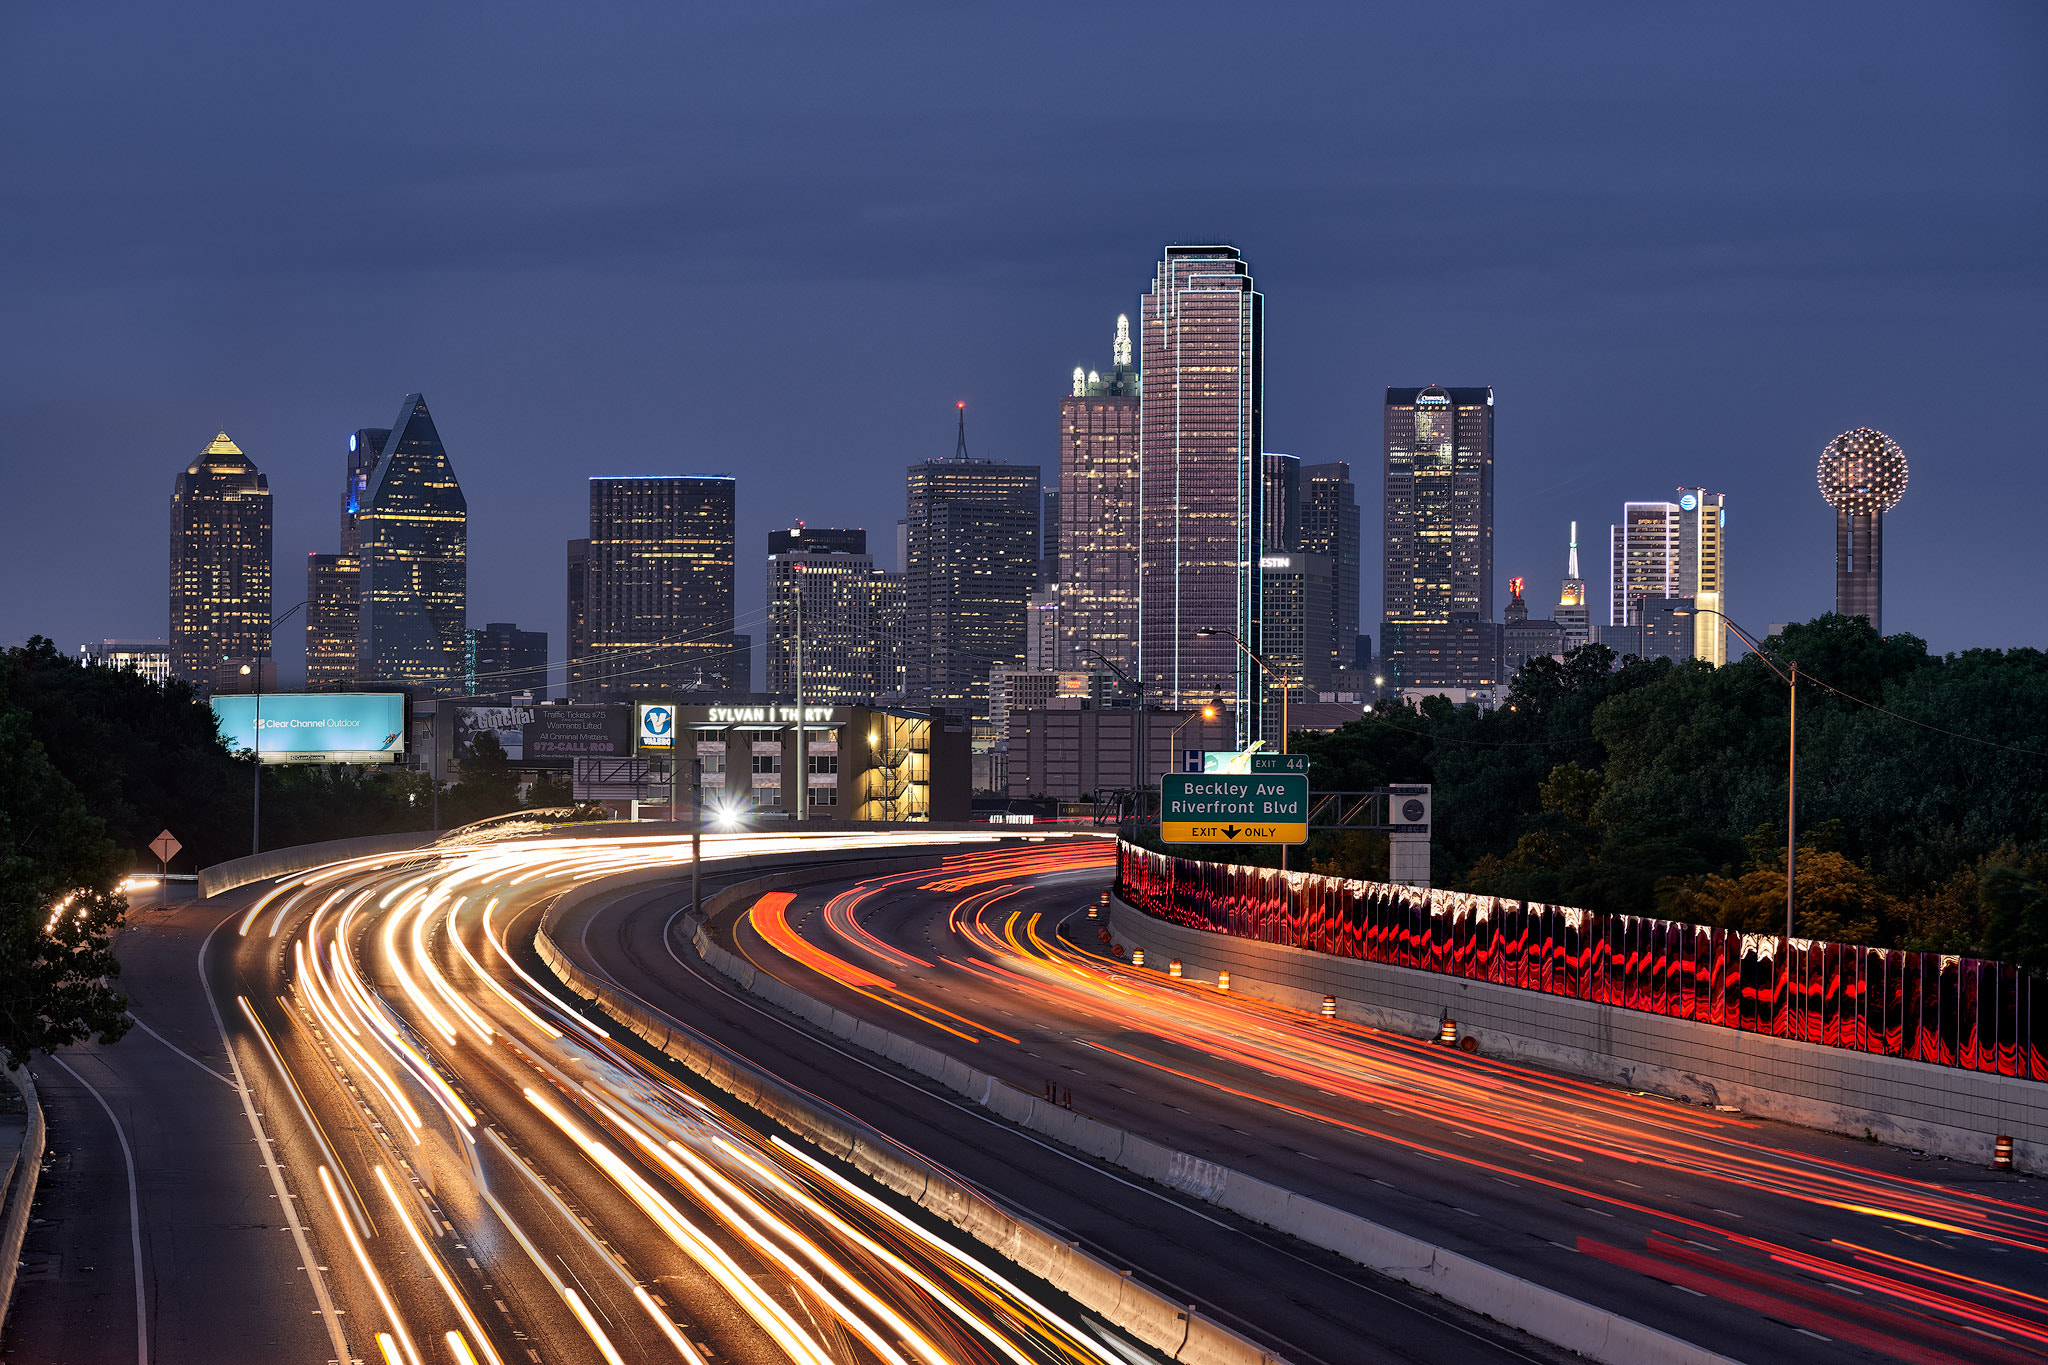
394, 1145
1760, 1240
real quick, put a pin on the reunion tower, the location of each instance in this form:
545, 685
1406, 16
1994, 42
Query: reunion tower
1862, 475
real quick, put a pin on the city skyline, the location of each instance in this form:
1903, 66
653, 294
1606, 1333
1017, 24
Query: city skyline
1688, 535
1643, 294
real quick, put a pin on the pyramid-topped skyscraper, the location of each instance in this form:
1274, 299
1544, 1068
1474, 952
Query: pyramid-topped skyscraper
414, 544
220, 562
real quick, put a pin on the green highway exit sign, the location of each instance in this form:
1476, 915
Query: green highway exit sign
1239, 808
1279, 763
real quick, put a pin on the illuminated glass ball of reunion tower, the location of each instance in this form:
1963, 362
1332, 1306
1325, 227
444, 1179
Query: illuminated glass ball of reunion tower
1863, 476
1863, 471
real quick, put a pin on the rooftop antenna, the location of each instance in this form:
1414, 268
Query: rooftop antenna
960, 449
1122, 352
1572, 569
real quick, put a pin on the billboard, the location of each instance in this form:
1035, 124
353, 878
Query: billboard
556, 736
315, 727
507, 724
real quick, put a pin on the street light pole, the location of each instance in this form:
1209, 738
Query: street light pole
1286, 690
256, 745
1137, 725
1790, 677
803, 754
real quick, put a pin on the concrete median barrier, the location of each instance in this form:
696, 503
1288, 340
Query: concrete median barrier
1593, 1332
1149, 1317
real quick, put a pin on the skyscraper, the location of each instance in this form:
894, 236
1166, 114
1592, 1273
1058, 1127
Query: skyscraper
1703, 570
334, 582
1523, 639
1329, 527
972, 530
413, 531
1296, 623
1863, 476
889, 624
1668, 550
220, 562
1437, 608
1281, 514
819, 585
1042, 630
658, 589
1573, 614
333, 619
1642, 558
505, 661
1098, 508
576, 657
1203, 431
365, 448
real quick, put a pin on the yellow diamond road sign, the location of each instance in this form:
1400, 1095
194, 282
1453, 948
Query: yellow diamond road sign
1233, 808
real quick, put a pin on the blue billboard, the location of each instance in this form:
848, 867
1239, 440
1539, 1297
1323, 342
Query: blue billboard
315, 727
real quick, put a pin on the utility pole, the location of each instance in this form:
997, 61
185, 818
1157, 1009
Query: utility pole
256, 746
1790, 677
803, 750
1791, 798
697, 837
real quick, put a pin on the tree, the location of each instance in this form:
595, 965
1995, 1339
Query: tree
488, 786
2013, 889
550, 791
58, 905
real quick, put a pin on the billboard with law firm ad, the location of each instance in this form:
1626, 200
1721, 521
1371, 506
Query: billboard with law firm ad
314, 727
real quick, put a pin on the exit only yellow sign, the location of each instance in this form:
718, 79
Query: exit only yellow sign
1233, 808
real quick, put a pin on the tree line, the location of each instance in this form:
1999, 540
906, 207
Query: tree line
94, 762
1656, 788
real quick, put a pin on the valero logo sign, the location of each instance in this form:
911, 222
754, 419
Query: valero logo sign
657, 726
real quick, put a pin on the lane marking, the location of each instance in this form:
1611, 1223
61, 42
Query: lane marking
134, 1212
136, 1019
328, 1311
703, 972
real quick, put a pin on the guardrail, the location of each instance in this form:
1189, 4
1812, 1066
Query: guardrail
282, 862
1938, 1008
20, 1185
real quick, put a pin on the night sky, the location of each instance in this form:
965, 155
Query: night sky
1684, 244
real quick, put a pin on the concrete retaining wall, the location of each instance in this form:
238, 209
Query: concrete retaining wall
1910, 1104
282, 862
1179, 1332
1593, 1332
24, 1170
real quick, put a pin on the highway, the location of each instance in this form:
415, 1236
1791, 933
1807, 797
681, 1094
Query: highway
457, 1167
379, 1132
1759, 1240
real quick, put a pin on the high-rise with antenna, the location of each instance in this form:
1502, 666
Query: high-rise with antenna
1573, 616
970, 541
1097, 535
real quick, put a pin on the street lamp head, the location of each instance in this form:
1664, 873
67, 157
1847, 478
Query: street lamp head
245, 670
1209, 713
